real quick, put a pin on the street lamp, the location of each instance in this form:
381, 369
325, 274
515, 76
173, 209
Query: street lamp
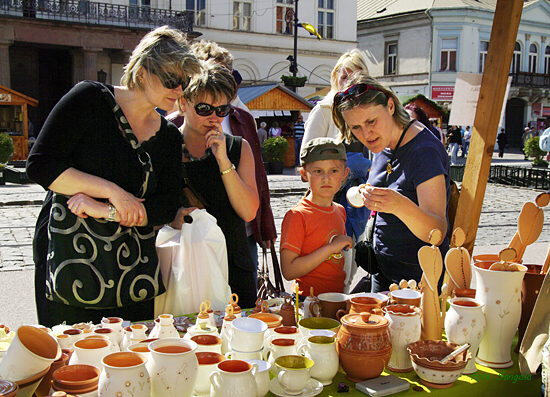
101, 76
293, 59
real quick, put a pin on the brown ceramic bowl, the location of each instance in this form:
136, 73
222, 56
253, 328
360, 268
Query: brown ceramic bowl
76, 378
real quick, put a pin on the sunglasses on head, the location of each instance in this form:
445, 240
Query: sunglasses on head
173, 81
204, 109
355, 91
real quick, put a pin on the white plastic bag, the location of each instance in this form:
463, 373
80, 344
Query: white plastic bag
193, 263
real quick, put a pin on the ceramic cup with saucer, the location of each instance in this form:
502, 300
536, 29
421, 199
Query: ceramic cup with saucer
294, 373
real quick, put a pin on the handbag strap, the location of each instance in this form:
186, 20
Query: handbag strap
276, 268
149, 178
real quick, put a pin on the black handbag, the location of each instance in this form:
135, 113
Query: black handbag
265, 288
94, 263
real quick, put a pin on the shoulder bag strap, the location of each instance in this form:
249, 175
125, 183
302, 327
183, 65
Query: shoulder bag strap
149, 179
276, 268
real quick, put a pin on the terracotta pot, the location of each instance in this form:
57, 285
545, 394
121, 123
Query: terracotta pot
530, 288
464, 293
8, 389
76, 379
360, 304
364, 345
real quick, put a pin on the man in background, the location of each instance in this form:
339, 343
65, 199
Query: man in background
298, 137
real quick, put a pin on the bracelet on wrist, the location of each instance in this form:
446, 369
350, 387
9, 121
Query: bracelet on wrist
112, 213
227, 171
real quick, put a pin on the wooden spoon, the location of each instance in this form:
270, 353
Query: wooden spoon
506, 255
457, 262
530, 222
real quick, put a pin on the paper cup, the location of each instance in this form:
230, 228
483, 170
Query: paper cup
30, 353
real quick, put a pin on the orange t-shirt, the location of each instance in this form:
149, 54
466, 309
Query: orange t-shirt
306, 228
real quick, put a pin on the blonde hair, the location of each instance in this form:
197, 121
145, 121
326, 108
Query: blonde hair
215, 80
379, 95
354, 59
205, 50
161, 52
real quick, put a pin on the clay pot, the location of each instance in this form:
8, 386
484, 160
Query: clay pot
530, 288
80, 379
464, 293
44, 386
360, 304
288, 312
364, 345
8, 389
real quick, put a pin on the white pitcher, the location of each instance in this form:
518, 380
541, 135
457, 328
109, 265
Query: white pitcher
234, 378
405, 328
277, 348
322, 350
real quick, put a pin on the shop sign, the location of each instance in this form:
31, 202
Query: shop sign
537, 109
545, 112
442, 92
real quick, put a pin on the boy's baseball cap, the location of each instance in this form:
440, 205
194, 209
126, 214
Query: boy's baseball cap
322, 149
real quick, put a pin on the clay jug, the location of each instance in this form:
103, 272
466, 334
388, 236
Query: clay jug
312, 305
173, 367
465, 323
364, 345
288, 312
138, 333
112, 335
124, 374
277, 348
405, 328
500, 291
322, 350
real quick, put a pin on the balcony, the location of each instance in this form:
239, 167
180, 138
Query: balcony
532, 80
92, 13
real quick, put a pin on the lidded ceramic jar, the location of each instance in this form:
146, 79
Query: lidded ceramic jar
363, 345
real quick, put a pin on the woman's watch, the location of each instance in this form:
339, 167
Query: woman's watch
112, 213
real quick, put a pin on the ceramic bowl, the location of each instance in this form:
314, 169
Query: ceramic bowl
426, 356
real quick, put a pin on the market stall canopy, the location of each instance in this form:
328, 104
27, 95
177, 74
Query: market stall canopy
273, 97
318, 95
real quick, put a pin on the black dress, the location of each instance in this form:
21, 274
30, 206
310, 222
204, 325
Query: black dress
204, 176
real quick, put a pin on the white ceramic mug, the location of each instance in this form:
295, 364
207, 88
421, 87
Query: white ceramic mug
208, 362
262, 376
237, 355
277, 348
31, 351
247, 334
294, 373
234, 378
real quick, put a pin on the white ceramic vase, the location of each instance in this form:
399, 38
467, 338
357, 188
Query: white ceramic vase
167, 328
112, 335
500, 291
465, 323
115, 323
173, 367
405, 328
138, 333
124, 375
322, 350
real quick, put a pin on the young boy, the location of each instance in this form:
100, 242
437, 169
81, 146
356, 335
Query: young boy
313, 232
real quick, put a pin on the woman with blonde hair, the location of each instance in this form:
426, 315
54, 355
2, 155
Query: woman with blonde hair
409, 182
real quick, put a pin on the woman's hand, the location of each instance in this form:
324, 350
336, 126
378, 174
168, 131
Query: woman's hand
380, 198
178, 220
128, 207
84, 206
215, 140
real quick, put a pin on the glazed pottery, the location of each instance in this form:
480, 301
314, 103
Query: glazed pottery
234, 378
363, 345
331, 302
530, 289
115, 323
202, 329
74, 334
311, 305
208, 362
405, 297
156, 329
45, 385
262, 376
112, 335
288, 313
8, 388
317, 332
270, 319
405, 328
64, 341
80, 379
247, 334
384, 298
233, 301
306, 325
28, 386
90, 351
465, 323
173, 367
225, 333
138, 333
285, 333
167, 328
294, 373
31, 351
464, 293
277, 348
124, 375
237, 355
126, 339
322, 350
500, 291
208, 343
425, 356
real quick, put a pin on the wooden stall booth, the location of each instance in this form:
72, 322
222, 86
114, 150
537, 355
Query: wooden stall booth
14, 119
270, 102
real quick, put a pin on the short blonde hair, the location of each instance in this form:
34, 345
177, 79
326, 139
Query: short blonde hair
161, 52
205, 50
378, 95
354, 59
215, 80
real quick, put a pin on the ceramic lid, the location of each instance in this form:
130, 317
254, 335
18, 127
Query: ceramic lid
272, 320
364, 321
7, 387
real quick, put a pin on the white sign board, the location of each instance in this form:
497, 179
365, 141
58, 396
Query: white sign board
466, 94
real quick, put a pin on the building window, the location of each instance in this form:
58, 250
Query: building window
448, 54
483, 48
516, 59
199, 9
282, 7
533, 52
325, 18
242, 11
547, 60
391, 58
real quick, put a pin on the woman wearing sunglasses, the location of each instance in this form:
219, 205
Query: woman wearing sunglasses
82, 153
220, 168
408, 185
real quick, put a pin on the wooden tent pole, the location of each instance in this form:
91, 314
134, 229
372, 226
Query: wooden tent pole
491, 97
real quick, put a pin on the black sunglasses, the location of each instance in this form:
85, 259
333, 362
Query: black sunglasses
204, 109
172, 81
355, 91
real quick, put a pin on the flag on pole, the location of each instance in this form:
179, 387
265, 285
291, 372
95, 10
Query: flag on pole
310, 29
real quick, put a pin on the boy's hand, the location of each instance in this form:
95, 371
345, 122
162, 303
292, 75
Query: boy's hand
341, 242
